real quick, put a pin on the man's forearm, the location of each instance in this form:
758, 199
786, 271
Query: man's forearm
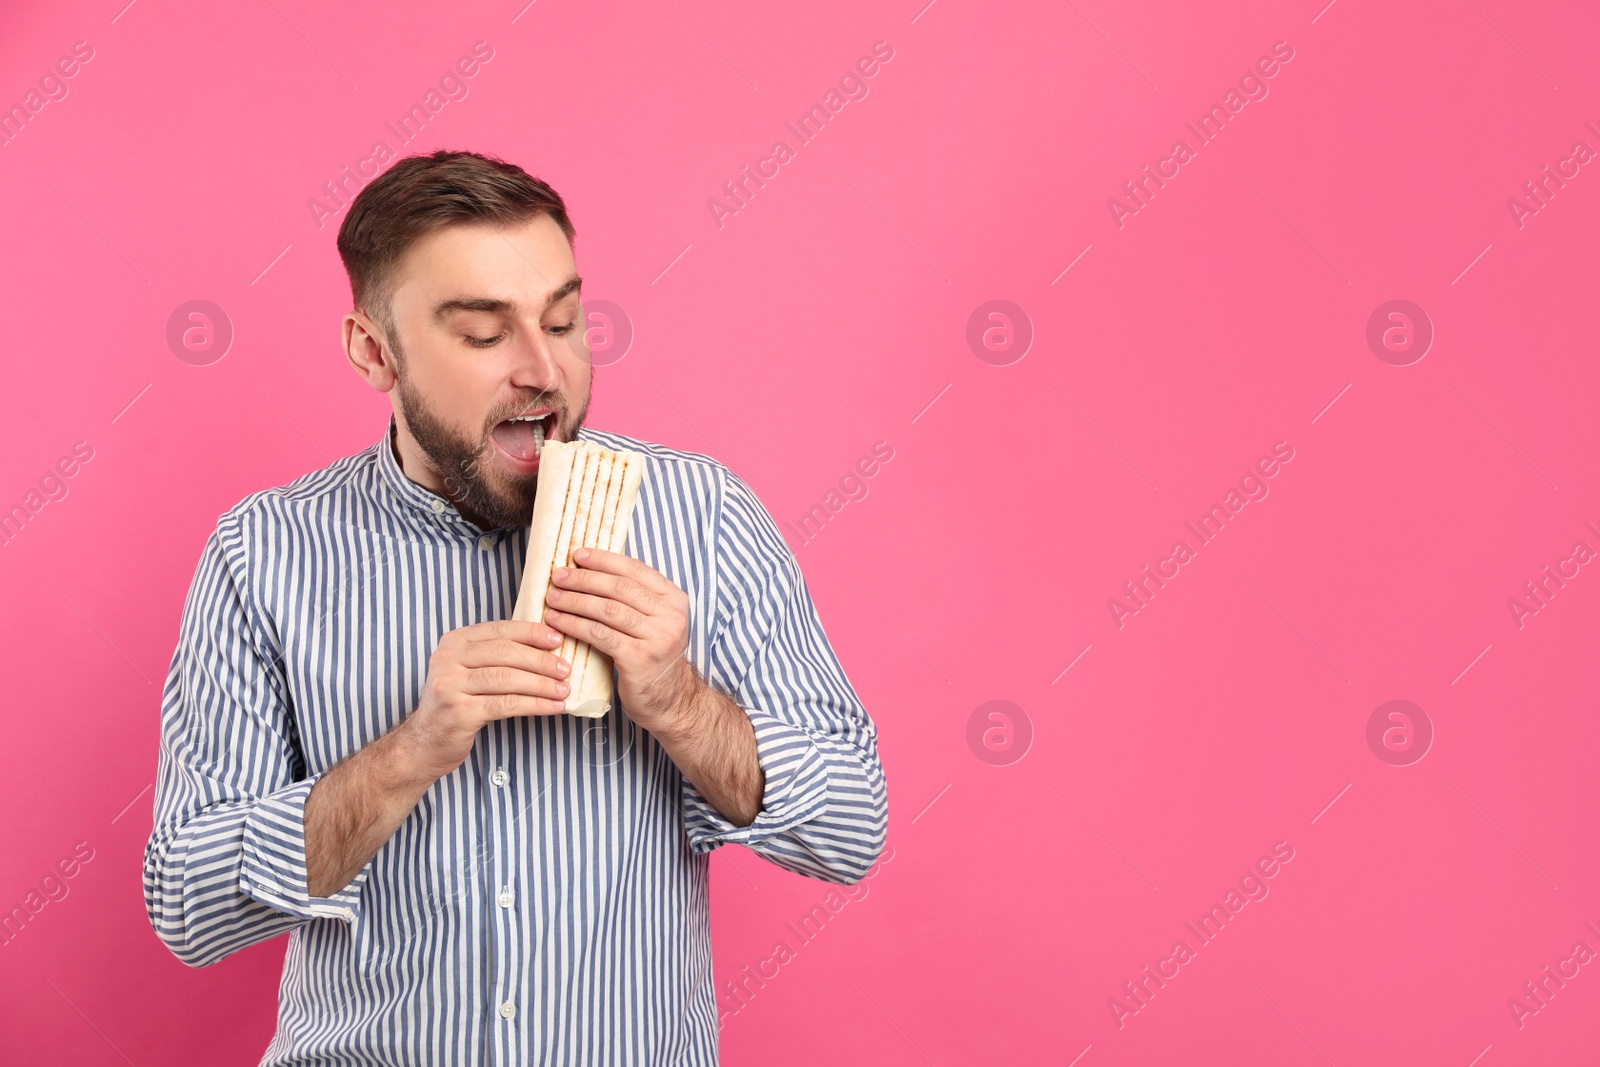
714, 744
357, 806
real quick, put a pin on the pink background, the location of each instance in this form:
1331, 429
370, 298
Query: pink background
1228, 314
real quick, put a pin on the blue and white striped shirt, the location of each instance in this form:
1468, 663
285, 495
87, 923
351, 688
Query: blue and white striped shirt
547, 901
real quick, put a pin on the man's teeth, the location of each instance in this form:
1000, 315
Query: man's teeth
538, 429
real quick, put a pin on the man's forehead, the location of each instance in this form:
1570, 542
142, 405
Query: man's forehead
524, 263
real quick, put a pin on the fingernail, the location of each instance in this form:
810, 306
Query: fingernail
562, 666
562, 687
581, 555
561, 572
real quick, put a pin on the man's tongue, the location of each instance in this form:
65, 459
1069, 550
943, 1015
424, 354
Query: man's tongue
521, 439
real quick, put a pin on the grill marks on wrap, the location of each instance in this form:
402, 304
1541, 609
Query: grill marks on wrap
615, 473
571, 523
596, 468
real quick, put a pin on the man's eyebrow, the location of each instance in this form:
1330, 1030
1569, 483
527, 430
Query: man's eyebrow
497, 306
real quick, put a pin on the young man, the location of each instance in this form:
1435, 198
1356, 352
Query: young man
358, 749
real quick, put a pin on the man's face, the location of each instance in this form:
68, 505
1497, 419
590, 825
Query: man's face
487, 330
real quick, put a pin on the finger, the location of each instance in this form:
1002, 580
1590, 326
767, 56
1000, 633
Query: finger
615, 586
504, 652
600, 559
536, 634
595, 633
510, 705
509, 681
614, 613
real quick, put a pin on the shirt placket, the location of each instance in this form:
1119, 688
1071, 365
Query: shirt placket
506, 784
506, 933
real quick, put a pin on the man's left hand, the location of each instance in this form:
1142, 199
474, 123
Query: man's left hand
637, 616
634, 614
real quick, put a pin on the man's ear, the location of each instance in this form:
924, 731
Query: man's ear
368, 351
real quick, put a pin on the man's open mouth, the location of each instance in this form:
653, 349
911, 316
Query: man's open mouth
523, 437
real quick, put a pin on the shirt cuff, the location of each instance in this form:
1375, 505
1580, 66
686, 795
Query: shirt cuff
796, 788
273, 870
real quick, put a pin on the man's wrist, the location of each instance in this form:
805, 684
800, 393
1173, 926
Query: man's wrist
711, 739
401, 775
356, 806
683, 718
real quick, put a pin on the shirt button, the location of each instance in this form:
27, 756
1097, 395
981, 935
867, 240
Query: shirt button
499, 777
505, 897
486, 542
437, 506
507, 1010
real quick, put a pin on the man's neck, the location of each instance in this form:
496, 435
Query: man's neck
415, 466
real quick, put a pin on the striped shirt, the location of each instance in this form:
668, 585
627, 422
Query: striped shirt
547, 901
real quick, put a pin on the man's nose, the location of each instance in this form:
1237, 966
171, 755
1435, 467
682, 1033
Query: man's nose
536, 366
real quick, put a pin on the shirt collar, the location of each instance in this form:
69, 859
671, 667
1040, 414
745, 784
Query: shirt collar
428, 507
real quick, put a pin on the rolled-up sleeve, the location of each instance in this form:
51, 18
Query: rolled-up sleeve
825, 805
225, 866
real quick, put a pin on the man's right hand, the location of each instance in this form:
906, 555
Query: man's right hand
492, 670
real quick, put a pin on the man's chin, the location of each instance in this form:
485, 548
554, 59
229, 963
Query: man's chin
494, 497
509, 506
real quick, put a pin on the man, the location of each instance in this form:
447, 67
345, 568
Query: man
358, 749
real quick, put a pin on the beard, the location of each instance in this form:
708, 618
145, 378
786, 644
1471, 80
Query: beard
473, 479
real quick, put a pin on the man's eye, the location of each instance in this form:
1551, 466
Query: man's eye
562, 331
483, 342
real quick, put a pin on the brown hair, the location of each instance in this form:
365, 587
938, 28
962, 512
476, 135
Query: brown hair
419, 194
